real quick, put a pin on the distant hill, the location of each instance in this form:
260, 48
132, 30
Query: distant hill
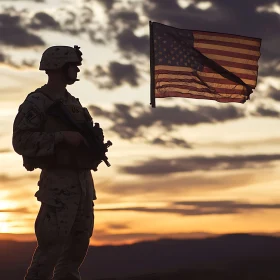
222, 256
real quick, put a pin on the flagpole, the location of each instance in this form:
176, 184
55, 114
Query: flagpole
152, 67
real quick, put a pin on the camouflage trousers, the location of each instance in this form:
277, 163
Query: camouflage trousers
62, 240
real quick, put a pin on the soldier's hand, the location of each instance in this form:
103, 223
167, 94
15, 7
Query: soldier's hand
73, 138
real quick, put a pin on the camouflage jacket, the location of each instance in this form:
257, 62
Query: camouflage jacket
55, 185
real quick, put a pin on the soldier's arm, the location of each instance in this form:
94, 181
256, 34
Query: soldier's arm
27, 138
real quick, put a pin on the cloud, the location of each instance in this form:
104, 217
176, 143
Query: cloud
3, 151
132, 121
241, 144
43, 20
2, 57
21, 210
121, 19
199, 208
182, 184
13, 32
274, 94
130, 44
108, 4
116, 226
115, 75
158, 166
6, 179
115, 238
173, 142
264, 111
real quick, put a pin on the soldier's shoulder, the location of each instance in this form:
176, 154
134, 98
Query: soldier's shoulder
37, 99
73, 99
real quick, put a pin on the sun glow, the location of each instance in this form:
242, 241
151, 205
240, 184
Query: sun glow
5, 205
4, 227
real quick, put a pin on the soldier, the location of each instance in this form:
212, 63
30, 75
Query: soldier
65, 221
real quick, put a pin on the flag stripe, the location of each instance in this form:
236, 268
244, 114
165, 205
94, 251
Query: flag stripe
220, 98
189, 78
197, 88
228, 44
238, 60
204, 65
226, 38
225, 53
181, 71
236, 71
226, 49
220, 83
237, 65
192, 82
248, 73
215, 78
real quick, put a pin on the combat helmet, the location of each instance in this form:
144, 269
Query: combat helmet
56, 57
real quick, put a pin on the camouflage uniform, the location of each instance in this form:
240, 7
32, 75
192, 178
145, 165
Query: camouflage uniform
65, 221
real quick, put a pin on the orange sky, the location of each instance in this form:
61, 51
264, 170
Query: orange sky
225, 180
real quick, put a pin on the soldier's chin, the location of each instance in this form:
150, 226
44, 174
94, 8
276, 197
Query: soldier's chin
71, 81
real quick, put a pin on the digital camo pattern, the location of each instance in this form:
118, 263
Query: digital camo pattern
56, 56
29, 142
65, 221
56, 254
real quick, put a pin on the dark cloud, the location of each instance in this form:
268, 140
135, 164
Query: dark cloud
116, 75
127, 19
87, 15
2, 57
95, 38
274, 94
199, 208
173, 142
43, 20
115, 238
129, 121
129, 43
264, 111
71, 18
117, 226
3, 151
108, 4
241, 144
29, 63
183, 184
4, 179
199, 163
271, 68
21, 210
224, 16
13, 33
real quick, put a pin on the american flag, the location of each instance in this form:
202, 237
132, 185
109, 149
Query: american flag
203, 65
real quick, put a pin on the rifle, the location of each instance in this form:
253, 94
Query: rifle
92, 133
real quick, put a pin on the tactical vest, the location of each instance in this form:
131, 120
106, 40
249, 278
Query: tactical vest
65, 156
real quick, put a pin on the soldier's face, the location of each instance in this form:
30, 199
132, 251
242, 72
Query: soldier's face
73, 71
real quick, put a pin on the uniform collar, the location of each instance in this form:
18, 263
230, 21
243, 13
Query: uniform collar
53, 97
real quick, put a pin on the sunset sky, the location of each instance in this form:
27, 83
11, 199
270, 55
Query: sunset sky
185, 168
